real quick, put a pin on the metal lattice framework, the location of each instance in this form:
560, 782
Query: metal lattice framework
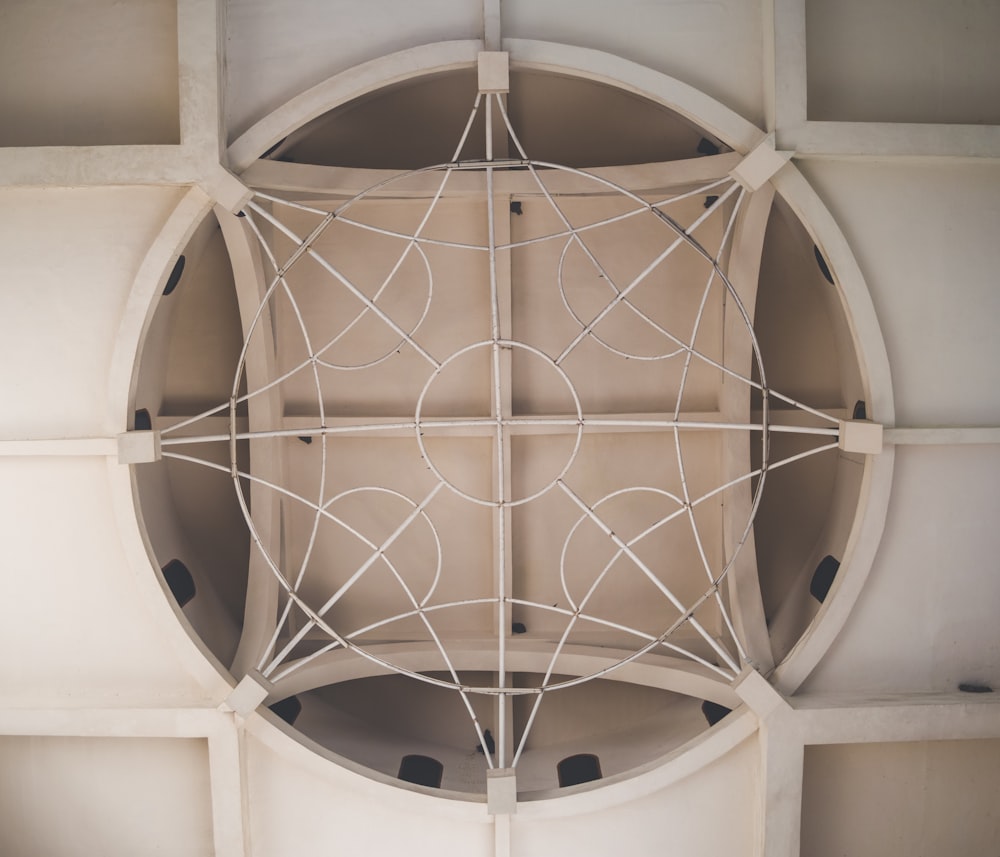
292, 644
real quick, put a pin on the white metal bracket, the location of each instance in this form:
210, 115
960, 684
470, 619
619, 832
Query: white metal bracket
759, 695
760, 164
227, 190
860, 436
138, 447
501, 791
494, 71
252, 690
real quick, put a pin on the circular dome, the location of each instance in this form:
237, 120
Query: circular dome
499, 428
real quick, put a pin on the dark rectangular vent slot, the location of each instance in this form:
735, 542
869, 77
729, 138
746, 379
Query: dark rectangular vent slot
581, 768
421, 771
707, 147
823, 578
288, 709
714, 712
175, 276
180, 581
824, 269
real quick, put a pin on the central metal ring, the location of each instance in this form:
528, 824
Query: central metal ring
502, 424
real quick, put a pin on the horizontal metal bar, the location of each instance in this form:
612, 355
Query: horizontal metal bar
488, 425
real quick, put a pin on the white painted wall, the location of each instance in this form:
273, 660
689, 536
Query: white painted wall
924, 234
70, 258
919, 798
307, 809
71, 611
671, 820
275, 51
895, 61
926, 619
109, 796
89, 73
714, 46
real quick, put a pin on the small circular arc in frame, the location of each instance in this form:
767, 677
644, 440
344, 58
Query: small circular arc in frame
369, 543
305, 247
660, 522
421, 422
329, 364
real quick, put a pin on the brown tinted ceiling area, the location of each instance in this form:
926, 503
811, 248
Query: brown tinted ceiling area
562, 119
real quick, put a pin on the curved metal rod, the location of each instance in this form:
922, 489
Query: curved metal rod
727, 234
420, 608
280, 274
659, 584
361, 296
616, 218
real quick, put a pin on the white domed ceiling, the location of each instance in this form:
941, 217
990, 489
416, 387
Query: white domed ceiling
507, 440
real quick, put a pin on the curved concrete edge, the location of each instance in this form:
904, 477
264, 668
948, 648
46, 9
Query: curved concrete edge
869, 522
193, 207
345, 86
861, 317
704, 111
663, 672
389, 791
657, 774
194, 656
859, 557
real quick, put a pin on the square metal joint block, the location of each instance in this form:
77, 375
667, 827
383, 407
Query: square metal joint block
138, 447
760, 165
758, 693
252, 690
228, 191
494, 71
501, 791
860, 436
